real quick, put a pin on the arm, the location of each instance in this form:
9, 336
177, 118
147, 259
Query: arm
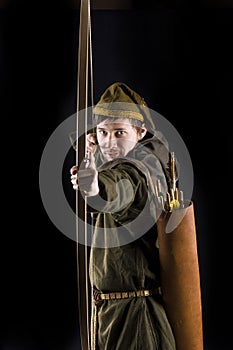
118, 191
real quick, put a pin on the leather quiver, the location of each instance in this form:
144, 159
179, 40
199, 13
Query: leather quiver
180, 278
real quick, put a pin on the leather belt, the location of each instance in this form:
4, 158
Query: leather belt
98, 296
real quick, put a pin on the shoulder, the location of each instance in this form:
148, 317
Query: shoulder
123, 168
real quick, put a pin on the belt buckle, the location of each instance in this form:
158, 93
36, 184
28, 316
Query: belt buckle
97, 296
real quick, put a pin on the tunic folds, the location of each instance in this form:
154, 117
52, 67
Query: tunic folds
124, 255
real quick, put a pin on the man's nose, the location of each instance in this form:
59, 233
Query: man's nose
111, 140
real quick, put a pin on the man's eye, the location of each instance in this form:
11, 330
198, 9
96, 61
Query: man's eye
102, 132
120, 133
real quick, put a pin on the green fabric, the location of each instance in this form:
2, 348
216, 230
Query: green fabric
136, 323
120, 101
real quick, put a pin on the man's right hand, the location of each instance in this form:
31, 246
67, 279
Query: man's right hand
86, 179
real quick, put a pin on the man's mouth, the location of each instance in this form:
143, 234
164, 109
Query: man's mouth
112, 153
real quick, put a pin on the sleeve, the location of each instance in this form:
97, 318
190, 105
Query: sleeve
123, 192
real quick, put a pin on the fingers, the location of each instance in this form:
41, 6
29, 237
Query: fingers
91, 143
74, 177
92, 139
89, 160
74, 170
83, 179
83, 176
74, 181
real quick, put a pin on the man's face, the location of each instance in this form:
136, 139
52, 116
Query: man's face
116, 138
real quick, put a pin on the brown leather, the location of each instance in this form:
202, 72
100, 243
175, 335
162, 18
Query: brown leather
180, 277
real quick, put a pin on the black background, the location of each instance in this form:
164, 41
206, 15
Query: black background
179, 58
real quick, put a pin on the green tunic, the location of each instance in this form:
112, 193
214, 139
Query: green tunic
139, 322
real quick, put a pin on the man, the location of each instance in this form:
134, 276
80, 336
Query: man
124, 162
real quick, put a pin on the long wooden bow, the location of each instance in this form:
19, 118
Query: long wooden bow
81, 210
